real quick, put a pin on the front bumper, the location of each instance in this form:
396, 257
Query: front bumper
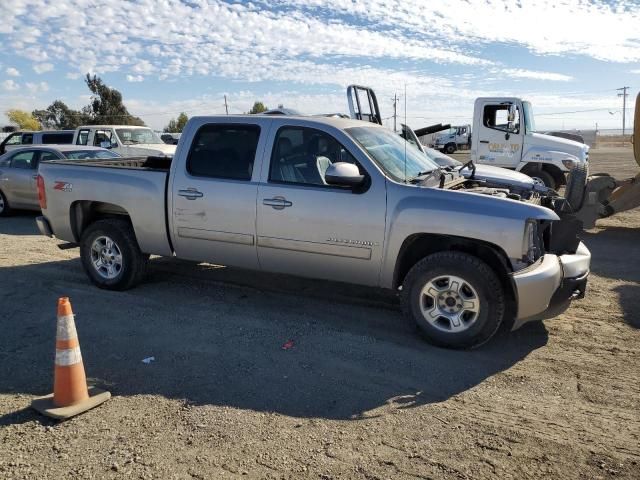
546, 289
44, 226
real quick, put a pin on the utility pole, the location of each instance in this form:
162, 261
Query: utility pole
226, 107
624, 96
395, 112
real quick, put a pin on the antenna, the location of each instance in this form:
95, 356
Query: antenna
405, 126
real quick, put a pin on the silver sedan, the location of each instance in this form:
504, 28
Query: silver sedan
19, 171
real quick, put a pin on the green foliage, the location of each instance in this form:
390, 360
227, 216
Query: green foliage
177, 125
106, 105
258, 107
58, 116
24, 120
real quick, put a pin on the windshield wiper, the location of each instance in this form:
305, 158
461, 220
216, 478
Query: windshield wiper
423, 177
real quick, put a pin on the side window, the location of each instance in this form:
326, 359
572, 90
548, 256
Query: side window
57, 138
25, 160
44, 156
224, 151
14, 139
102, 136
27, 138
83, 137
302, 155
496, 117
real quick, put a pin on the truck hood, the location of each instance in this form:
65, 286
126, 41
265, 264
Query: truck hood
549, 142
155, 148
503, 176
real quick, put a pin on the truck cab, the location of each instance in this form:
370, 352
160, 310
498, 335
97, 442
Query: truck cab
456, 138
504, 135
126, 140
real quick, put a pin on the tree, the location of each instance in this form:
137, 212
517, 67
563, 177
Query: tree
258, 107
58, 116
24, 120
106, 105
177, 125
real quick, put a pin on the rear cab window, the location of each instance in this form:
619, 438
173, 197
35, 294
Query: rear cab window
224, 151
57, 138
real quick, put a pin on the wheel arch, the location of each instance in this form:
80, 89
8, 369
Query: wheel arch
83, 213
419, 245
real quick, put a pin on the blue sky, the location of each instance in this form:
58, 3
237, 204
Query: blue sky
169, 56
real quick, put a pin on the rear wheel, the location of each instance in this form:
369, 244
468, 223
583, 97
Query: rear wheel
450, 148
455, 299
4, 205
111, 256
546, 178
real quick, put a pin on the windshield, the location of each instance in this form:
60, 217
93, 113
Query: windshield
133, 136
529, 122
82, 154
441, 159
392, 153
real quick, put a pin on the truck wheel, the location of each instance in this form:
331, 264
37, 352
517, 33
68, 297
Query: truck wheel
576, 183
455, 299
4, 205
450, 148
546, 178
111, 256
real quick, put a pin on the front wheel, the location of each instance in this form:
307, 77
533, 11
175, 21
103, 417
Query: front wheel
450, 148
111, 256
455, 299
546, 178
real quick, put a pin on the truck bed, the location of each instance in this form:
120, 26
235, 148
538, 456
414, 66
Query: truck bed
162, 164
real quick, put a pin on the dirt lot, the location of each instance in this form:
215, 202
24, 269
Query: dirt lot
358, 396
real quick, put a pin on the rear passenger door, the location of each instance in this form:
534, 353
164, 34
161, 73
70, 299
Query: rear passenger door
19, 180
214, 193
308, 228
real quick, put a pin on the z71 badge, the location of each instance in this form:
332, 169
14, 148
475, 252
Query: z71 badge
63, 186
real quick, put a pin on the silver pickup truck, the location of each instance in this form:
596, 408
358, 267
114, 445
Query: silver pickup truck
328, 198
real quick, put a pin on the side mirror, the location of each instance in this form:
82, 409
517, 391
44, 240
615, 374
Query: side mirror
343, 174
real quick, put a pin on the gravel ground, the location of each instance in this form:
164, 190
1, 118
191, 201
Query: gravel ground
358, 395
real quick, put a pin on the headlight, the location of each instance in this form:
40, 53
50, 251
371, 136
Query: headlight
569, 164
531, 242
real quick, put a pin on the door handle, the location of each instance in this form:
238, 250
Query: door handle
190, 193
484, 141
278, 203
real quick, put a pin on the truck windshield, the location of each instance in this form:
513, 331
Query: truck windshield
529, 122
395, 156
133, 136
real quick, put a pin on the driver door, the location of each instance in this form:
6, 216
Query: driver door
309, 228
501, 135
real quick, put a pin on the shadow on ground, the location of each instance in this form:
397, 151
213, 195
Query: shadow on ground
19, 223
217, 335
608, 246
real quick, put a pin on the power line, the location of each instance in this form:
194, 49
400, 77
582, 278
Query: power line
624, 96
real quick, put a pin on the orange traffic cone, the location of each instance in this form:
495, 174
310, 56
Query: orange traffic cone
70, 393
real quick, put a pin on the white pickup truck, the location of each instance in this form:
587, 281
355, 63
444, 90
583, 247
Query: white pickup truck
329, 198
126, 140
504, 135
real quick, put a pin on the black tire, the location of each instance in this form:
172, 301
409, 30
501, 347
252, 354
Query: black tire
476, 274
133, 263
4, 205
576, 183
450, 148
546, 178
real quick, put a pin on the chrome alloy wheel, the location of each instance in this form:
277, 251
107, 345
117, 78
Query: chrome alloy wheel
106, 257
449, 303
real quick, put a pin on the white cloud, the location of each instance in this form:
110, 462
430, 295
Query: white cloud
135, 78
40, 68
13, 72
10, 85
35, 87
635, 71
536, 75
